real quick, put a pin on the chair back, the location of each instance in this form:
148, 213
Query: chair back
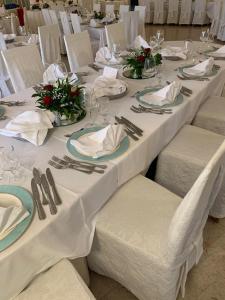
75, 23
115, 34
123, 8
54, 17
217, 7
67, 29
46, 16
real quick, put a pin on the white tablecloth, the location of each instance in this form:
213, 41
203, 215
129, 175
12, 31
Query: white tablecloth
70, 232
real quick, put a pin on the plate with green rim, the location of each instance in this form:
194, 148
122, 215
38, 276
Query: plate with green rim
179, 99
27, 201
122, 148
2, 111
211, 73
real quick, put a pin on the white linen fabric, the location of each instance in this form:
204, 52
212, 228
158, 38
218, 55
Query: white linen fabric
14, 23
219, 53
4, 90
200, 69
115, 34
31, 125
61, 281
55, 20
96, 7
100, 143
149, 13
200, 16
123, 9
34, 20
54, 17
173, 12
159, 12
33, 40
139, 42
104, 56
78, 47
12, 213
46, 16
49, 37
174, 52
24, 66
94, 23
142, 14
54, 72
75, 23
67, 29
186, 12
105, 86
216, 17
221, 30
164, 96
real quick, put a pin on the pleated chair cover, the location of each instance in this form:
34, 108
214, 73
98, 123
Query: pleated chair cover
115, 34
14, 23
216, 17
148, 12
142, 14
147, 238
34, 20
159, 12
4, 90
221, 31
133, 29
46, 16
75, 23
24, 66
54, 17
173, 12
61, 281
55, 20
97, 7
109, 8
49, 37
123, 9
79, 52
186, 12
67, 29
200, 15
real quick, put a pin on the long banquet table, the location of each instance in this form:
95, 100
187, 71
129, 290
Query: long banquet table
70, 232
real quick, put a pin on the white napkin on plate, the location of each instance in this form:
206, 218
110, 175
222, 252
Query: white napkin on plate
12, 213
30, 125
103, 54
174, 52
33, 39
106, 86
55, 72
200, 69
140, 42
163, 96
100, 143
219, 53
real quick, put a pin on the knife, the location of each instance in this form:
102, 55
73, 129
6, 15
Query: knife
52, 206
51, 181
36, 196
128, 131
132, 126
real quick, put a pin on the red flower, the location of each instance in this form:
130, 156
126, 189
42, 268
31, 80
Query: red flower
47, 100
75, 93
141, 58
48, 87
147, 51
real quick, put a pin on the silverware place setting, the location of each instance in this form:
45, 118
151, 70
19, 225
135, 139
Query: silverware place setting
133, 131
158, 111
183, 77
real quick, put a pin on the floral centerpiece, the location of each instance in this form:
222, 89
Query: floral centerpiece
64, 99
136, 61
98, 15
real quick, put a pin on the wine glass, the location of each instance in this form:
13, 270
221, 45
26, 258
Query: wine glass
60, 70
103, 103
116, 50
160, 37
91, 106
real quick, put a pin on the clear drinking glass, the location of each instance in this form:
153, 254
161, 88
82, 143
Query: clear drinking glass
103, 103
116, 50
91, 106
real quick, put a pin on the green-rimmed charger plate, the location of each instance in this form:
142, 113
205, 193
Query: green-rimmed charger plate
212, 73
179, 99
124, 145
28, 203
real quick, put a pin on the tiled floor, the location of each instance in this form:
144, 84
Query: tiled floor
207, 280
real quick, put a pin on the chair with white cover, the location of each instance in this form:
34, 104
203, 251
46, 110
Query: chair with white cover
14, 23
173, 12
46, 16
24, 66
217, 7
67, 29
79, 52
61, 281
55, 20
54, 17
186, 12
131, 26
221, 30
115, 34
49, 37
109, 9
34, 19
142, 14
183, 159
159, 12
200, 14
97, 7
148, 238
75, 23
123, 9
4, 90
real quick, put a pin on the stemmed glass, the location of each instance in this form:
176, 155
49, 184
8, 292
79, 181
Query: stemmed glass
60, 70
103, 103
159, 37
115, 50
91, 105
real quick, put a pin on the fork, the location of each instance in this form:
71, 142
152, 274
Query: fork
84, 163
68, 166
197, 79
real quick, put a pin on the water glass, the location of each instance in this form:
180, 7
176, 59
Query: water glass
103, 103
116, 50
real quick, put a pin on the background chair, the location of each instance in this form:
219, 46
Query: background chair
34, 20
123, 9
75, 23
142, 14
67, 29
115, 34
221, 30
46, 16
4, 90
216, 17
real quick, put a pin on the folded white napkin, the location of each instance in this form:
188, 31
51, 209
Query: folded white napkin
104, 56
94, 23
108, 19
106, 86
30, 125
163, 96
12, 213
9, 36
55, 72
100, 143
219, 53
140, 42
200, 69
33, 39
175, 52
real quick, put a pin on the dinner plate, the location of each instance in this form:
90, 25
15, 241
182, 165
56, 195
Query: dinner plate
211, 73
114, 97
2, 111
178, 100
124, 145
127, 74
18, 194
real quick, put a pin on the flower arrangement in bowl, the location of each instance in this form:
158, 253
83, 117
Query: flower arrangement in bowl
98, 15
64, 99
137, 61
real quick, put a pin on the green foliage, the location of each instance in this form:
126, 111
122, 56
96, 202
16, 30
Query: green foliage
98, 15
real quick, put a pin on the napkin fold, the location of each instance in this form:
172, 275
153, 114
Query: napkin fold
104, 56
220, 52
33, 40
174, 52
100, 143
30, 125
140, 42
163, 96
200, 69
11, 214
106, 86
55, 72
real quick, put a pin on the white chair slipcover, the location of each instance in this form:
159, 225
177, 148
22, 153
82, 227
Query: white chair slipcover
159, 12
14, 23
67, 29
4, 90
54, 17
46, 16
61, 281
24, 66
96, 7
123, 9
34, 20
147, 238
49, 37
142, 14
115, 34
109, 8
173, 12
221, 30
186, 12
183, 159
131, 26
200, 15
79, 52
216, 17
75, 23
